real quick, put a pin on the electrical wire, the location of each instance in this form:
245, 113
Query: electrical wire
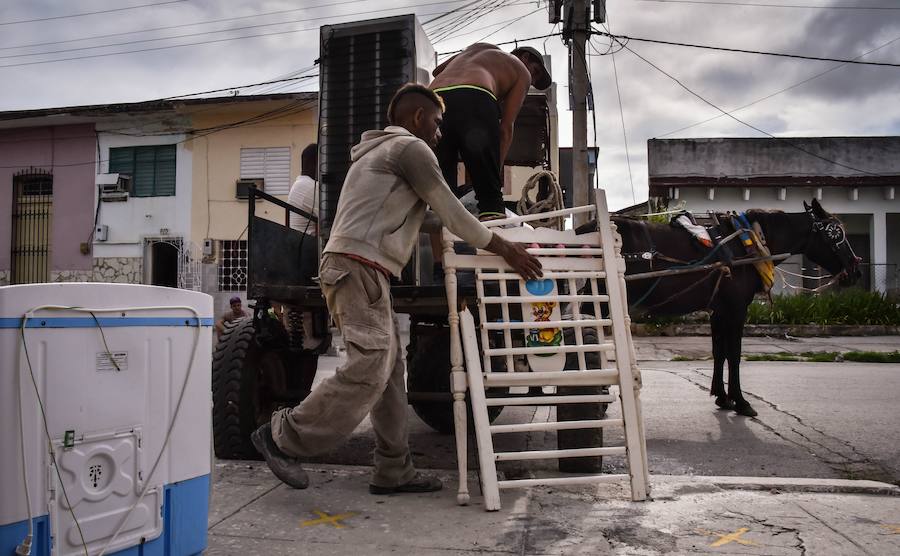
215, 41
778, 92
514, 41
464, 20
508, 23
735, 118
182, 25
760, 5
743, 51
622, 118
432, 20
289, 110
92, 13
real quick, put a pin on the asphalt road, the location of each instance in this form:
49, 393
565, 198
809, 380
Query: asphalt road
816, 420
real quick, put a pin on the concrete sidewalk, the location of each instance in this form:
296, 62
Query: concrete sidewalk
253, 513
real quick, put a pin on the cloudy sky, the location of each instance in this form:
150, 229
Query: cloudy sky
50, 56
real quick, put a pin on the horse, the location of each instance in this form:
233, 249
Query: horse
727, 289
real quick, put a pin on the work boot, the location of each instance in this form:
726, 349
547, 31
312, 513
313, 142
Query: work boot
283, 466
420, 483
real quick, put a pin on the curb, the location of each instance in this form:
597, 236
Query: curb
792, 484
773, 484
778, 330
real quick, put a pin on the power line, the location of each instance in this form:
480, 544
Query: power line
92, 13
742, 51
783, 90
202, 33
507, 24
449, 13
153, 49
167, 27
760, 5
291, 109
751, 126
526, 39
464, 20
241, 86
622, 118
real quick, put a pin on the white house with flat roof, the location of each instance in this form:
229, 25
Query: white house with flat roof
855, 178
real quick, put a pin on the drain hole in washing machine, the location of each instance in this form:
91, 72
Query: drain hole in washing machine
99, 471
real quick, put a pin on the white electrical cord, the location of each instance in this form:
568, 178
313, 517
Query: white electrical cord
30, 315
26, 543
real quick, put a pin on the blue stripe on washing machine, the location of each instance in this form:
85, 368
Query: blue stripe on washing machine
106, 322
185, 513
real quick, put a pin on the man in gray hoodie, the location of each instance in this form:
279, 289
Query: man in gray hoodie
382, 206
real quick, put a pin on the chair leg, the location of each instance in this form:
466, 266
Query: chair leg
487, 464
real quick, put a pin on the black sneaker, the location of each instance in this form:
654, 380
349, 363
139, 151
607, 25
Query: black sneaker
286, 468
420, 483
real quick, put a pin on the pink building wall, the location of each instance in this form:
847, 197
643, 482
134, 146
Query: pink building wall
69, 152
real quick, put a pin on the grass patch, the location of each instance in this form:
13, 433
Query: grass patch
872, 356
828, 357
821, 356
773, 357
683, 358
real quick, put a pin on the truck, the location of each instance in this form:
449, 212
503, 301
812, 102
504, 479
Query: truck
267, 362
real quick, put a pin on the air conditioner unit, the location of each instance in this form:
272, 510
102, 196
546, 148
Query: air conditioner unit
113, 187
242, 187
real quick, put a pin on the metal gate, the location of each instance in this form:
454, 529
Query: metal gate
31, 219
188, 272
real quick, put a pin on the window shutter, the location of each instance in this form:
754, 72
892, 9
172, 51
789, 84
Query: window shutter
152, 169
273, 164
165, 170
121, 161
144, 172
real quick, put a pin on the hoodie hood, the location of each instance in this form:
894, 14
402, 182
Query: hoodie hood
374, 138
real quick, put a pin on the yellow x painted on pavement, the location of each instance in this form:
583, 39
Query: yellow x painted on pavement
325, 519
725, 538
894, 529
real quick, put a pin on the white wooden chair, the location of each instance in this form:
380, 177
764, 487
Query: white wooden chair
578, 269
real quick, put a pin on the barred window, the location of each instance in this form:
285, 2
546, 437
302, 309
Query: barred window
232, 265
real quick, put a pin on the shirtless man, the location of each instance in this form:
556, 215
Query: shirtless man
483, 89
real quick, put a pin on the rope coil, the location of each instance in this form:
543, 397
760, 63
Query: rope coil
554, 201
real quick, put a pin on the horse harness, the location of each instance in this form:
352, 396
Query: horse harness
719, 235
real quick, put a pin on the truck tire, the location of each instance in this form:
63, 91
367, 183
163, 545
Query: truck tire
581, 438
428, 370
249, 382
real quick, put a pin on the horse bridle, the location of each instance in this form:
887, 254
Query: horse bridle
834, 235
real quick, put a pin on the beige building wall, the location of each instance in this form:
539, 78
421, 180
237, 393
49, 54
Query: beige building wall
216, 213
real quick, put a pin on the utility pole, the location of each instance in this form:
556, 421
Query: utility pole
576, 18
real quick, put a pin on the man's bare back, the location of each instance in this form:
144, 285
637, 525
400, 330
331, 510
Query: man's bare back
486, 66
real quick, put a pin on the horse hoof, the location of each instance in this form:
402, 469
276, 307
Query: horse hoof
724, 402
745, 409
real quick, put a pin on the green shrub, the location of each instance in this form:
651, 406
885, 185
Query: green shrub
850, 306
872, 357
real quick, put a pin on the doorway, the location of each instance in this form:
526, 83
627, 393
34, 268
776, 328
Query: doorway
161, 261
